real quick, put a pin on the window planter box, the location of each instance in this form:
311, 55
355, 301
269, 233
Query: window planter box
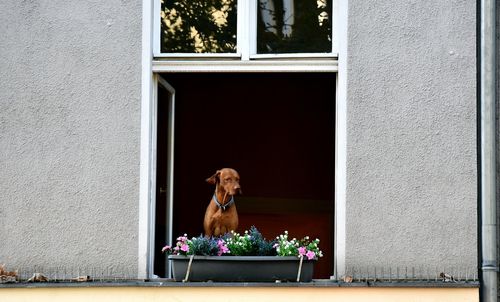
241, 268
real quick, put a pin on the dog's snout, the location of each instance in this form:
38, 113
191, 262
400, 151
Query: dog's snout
234, 189
237, 189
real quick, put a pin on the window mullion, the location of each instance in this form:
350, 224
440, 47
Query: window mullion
244, 31
252, 24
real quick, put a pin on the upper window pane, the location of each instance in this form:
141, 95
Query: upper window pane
202, 26
288, 26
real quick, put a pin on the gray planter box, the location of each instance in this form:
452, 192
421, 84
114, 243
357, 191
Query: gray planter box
241, 268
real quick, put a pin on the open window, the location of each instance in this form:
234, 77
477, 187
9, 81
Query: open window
163, 164
276, 129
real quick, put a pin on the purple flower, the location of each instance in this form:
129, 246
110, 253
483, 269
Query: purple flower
223, 249
182, 239
310, 255
166, 248
185, 248
302, 251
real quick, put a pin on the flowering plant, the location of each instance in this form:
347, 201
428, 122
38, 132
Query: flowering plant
251, 243
201, 245
302, 248
180, 248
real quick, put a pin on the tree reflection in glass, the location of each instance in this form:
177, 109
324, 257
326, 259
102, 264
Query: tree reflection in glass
288, 26
202, 26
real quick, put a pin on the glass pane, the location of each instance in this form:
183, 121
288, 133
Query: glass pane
288, 26
202, 26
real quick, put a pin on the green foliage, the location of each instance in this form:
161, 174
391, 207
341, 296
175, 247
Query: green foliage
203, 246
303, 247
252, 243
286, 247
239, 245
261, 246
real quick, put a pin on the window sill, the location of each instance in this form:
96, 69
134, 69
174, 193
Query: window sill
320, 65
315, 283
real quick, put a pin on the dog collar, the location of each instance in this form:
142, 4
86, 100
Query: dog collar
221, 206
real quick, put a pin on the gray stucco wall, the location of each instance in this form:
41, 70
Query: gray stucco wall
498, 128
70, 130
70, 134
411, 134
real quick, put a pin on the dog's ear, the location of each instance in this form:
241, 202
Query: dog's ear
214, 179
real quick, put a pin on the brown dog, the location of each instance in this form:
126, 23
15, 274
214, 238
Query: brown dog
221, 215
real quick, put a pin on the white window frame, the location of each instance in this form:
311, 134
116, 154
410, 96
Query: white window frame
157, 82
153, 62
246, 37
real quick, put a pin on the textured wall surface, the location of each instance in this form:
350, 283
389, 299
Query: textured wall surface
70, 134
70, 130
411, 134
498, 128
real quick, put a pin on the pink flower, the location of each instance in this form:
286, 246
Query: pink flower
302, 251
185, 248
222, 247
166, 248
310, 255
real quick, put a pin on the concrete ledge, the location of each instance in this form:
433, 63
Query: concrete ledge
187, 292
315, 283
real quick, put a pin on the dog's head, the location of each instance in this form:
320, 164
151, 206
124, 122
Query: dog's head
227, 179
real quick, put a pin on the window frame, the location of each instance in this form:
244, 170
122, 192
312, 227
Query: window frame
157, 82
154, 63
246, 37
